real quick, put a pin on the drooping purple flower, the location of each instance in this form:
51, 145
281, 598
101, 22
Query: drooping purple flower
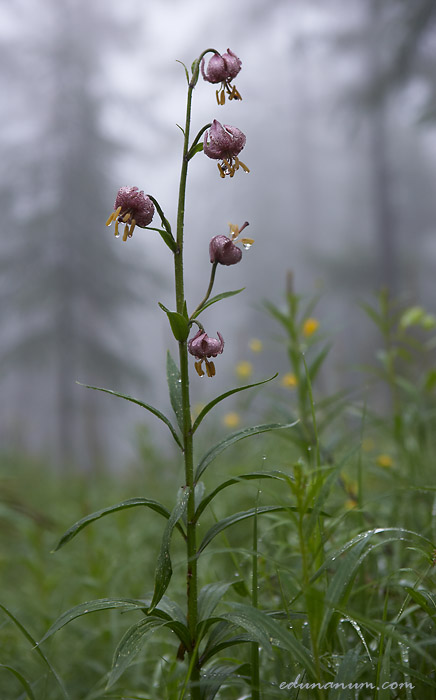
216, 71
223, 250
224, 143
132, 208
202, 347
233, 63
222, 69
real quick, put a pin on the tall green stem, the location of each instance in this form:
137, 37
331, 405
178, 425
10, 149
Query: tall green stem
192, 586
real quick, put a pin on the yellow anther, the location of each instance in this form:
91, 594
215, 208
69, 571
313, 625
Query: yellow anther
111, 218
217, 96
222, 173
126, 232
132, 227
234, 231
117, 233
210, 368
234, 94
247, 241
198, 368
243, 166
223, 97
126, 217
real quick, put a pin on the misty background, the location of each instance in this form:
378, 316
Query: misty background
339, 110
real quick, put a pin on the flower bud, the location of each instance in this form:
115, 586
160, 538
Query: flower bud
223, 250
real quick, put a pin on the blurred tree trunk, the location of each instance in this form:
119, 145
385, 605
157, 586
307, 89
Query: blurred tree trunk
380, 171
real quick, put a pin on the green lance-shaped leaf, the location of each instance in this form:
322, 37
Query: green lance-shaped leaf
337, 590
132, 643
39, 651
175, 388
235, 480
235, 437
122, 604
25, 684
394, 533
163, 568
179, 325
209, 597
215, 676
129, 503
178, 322
147, 406
425, 600
221, 397
213, 300
238, 517
268, 631
168, 239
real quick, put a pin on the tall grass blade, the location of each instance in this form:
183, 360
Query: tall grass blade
34, 644
25, 684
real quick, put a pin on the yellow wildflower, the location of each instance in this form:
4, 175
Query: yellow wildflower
197, 409
310, 326
289, 380
255, 345
350, 503
367, 444
384, 460
244, 369
231, 420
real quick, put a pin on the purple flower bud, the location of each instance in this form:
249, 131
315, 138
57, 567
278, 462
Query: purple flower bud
224, 143
132, 208
222, 69
202, 347
223, 250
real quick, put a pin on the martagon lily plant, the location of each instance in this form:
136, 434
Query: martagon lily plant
206, 628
